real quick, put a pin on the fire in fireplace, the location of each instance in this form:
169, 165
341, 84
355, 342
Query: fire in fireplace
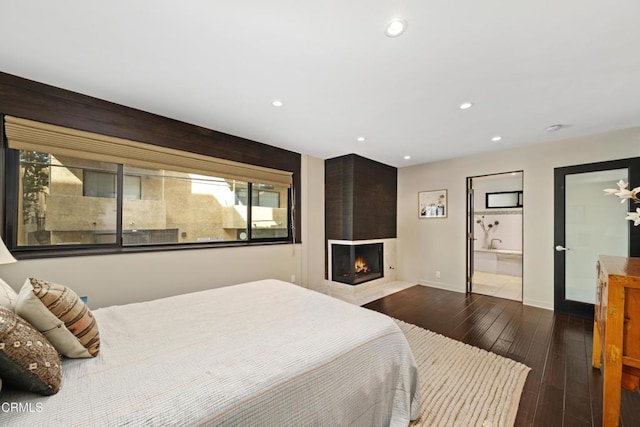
355, 264
361, 266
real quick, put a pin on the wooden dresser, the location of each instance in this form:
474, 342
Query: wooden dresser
616, 331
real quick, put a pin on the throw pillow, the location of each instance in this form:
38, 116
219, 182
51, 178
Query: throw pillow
58, 312
7, 295
27, 360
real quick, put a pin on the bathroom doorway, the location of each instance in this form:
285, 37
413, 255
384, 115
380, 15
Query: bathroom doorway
495, 206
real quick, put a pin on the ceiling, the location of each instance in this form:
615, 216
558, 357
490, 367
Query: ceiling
525, 65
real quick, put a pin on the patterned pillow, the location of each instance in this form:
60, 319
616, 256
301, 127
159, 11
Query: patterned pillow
61, 316
7, 295
27, 360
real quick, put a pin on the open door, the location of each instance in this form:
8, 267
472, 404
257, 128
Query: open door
494, 234
470, 234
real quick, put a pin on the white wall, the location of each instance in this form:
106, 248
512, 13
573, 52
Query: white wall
124, 278
429, 245
509, 229
494, 184
119, 279
313, 259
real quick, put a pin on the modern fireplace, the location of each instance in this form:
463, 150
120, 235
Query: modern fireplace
354, 264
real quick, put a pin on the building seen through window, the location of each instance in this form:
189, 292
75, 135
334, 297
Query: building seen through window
72, 201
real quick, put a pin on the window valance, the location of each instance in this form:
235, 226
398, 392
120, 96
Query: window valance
23, 134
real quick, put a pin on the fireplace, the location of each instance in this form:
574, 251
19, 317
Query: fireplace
355, 264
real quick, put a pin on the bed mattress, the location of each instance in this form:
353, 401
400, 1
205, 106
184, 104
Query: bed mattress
265, 353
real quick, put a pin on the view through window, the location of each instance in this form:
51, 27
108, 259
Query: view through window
73, 201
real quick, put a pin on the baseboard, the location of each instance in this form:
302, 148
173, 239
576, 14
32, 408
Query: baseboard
448, 287
539, 304
443, 286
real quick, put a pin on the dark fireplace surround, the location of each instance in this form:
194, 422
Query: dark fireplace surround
360, 208
355, 264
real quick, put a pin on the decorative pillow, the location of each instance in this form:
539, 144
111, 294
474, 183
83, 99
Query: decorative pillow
27, 360
7, 295
61, 316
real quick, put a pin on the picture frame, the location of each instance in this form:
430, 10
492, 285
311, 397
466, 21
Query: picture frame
432, 204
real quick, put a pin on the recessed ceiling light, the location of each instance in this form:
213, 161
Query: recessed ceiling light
496, 138
396, 28
277, 103
466, 105
407, 157
556, 127
361, 139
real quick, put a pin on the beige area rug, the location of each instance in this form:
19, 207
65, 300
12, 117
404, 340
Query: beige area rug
462, 385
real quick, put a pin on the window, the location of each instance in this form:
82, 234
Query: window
103, 184
81, 190
267, 213
54, 210
263, 195
70, 201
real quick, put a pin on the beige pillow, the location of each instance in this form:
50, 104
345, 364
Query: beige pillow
7, 295
27, 360
62, 317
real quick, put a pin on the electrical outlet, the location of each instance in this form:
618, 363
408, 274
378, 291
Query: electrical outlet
293, 278
437, 274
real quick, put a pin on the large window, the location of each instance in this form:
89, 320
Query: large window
72, 202
67, 188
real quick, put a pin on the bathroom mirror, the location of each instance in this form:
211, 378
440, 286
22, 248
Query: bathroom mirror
504, 199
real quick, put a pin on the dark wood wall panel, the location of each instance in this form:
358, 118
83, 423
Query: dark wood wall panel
36, 101
374, 200
338, 185
361, 199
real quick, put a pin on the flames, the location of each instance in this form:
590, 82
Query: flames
361, 266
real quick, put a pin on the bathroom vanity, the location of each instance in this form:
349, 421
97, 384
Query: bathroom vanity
498, 261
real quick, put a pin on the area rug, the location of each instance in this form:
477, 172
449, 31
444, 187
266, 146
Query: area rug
462, 385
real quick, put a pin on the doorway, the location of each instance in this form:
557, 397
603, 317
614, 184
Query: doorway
588, 224
495, 206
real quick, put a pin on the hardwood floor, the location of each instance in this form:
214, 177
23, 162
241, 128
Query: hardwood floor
562, 388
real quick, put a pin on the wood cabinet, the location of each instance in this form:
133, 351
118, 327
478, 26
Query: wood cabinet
616, 331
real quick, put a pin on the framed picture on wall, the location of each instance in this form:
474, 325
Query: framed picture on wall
432, 204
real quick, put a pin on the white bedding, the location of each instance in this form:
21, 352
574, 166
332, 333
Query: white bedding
265, 353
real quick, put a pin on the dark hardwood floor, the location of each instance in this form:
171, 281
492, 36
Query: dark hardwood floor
562, 388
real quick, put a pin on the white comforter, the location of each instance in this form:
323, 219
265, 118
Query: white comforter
265, 353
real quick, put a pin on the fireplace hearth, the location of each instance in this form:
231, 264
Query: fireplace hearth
356, 263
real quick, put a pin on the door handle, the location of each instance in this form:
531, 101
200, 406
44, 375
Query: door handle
561, 248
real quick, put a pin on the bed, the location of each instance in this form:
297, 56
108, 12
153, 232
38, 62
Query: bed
262, 353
